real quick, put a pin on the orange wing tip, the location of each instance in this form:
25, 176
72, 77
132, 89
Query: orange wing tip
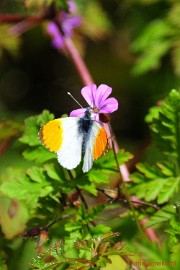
51, 135
100, 143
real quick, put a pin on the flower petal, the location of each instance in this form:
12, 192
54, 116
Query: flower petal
58, 42
71, 6
102, 92
57, 39
109, 105
78, 113
69, 23
89, 92
52, 29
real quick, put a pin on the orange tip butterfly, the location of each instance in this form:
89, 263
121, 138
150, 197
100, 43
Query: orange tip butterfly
74, 138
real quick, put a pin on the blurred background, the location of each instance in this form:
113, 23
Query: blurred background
131, 45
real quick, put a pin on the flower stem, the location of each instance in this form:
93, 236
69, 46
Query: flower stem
78, 61
125, 191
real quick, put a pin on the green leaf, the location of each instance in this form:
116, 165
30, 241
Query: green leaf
23, 188
54, 171
153, 113
169, 188
100, 229
123, 156
163, 215
149, 171
106, 165
32, 127
3, 265
155, 182
152, 44
98, 25
165, 126
162, 181
39, 154
31, 188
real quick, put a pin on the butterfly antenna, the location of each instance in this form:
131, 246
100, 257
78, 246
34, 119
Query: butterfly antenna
74, 99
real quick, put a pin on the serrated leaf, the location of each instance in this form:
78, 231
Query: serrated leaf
106, 165
15, 187
164, 214
36, 174
169, 188
152, 183
39, 154
90, 187
26, 189
153, 113
151, 172
32, 127
53, 171
166, 127
100, 229
168, 169
151, 45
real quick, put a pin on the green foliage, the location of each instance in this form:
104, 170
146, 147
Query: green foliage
165, 214
153, 43
3, 265
158, 38
166, 127
98, 251
161, 181
30, 137
98, 25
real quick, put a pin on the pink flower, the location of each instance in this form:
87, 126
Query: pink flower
67, 21
97, 98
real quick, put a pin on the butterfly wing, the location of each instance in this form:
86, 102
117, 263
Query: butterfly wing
63, 137
95, 145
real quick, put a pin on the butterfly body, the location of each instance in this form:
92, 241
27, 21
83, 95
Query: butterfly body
74, 138
85, 127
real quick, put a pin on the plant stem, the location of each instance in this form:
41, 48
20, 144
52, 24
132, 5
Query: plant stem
78, 61
15, 18
124, 188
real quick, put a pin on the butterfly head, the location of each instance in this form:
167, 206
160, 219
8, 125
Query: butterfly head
87, 114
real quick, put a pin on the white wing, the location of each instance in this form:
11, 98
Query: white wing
69, 155
95, 146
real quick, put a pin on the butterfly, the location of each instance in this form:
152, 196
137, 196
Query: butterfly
73, 139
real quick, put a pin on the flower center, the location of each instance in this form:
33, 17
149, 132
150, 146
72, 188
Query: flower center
95, 109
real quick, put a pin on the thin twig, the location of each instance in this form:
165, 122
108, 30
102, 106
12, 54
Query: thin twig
15, 18
124, 188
